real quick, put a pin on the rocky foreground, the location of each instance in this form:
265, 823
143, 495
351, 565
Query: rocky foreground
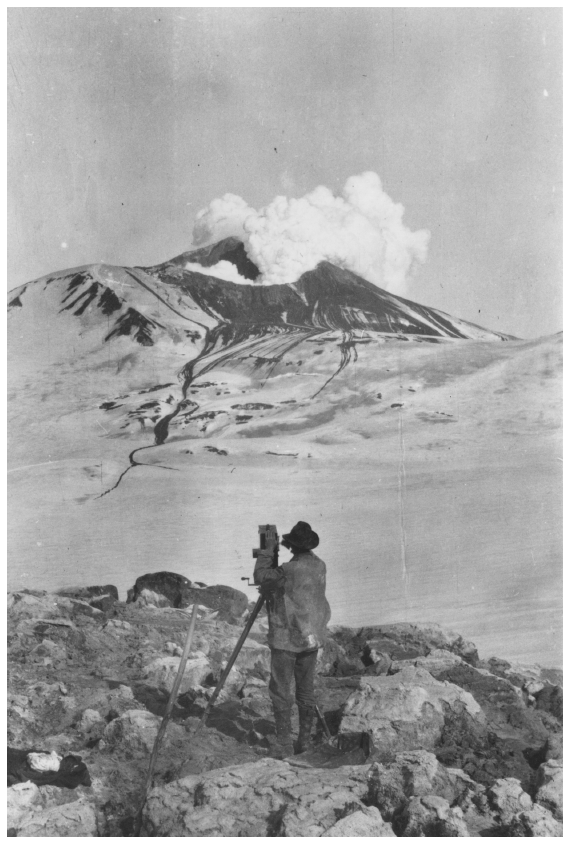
427, 738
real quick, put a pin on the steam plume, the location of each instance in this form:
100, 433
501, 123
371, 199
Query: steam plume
361, 230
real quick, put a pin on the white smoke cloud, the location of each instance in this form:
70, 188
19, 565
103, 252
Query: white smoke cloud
222, 218
361, 230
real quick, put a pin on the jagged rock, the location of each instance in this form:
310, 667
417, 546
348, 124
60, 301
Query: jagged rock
85, 608
364, 823
377, 662
253, 658
534, 823
70, 820
24, 604
415, 774
115, 624
261, 799
171, 585
181, 593
433, 816
550, 790
50, 652
22, 798
507, 798
49, 705
554, 747
515, 732
550, 699
404, 641
404, 711
100, 597
109, 703
229, 603
161, 672
135, 730
334, 661
253, 686
148, 598
436, 662
92, 721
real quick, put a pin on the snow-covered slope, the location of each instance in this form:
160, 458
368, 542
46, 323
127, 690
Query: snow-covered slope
158, 415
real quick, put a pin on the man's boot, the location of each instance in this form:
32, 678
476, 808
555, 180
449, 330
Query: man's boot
283, 740
306, 718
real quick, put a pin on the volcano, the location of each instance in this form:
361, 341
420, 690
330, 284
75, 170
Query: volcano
158, 414
251, 327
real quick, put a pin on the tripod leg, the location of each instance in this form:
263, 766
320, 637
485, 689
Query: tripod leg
224, 676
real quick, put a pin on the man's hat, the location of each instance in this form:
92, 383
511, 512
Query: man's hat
301, 537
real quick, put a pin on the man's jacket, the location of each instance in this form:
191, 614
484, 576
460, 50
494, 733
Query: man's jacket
297, 608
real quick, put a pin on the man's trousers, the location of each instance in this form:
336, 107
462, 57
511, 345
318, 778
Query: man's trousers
287, 666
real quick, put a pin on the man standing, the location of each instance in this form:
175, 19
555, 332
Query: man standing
298, 612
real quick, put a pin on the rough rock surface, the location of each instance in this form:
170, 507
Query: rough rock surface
171, 585
550, 790
431, 741
407, 709
180, 592
161, 672
361, 823
432, 815
265, 798
534, 823
69, 821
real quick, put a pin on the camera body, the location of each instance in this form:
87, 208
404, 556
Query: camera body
268, 532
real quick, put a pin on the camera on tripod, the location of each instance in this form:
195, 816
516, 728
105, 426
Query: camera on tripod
267, 533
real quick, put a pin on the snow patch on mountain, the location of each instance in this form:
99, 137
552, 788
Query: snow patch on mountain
223, 269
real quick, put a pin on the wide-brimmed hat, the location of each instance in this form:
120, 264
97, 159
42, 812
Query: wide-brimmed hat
301, 536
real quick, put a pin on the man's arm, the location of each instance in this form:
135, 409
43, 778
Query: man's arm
264, 574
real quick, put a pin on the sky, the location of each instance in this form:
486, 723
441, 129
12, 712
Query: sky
125, 122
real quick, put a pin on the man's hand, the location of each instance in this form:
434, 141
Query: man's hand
270, 544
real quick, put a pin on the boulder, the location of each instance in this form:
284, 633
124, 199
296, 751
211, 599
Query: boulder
148, 598
433, 816
554, 746
181, 593
415, 774
229, 603
364, 823
254, 658
135, 731
334, 661
92, 722
436, 662
116, 624
406, 711
50, 652
537, 822
549, 781
171, 585
100, 597
404, 641
507, 799
377, 662
22, 798
109, 703
550, 699
161, 672
260, 799
37, 605
68, 821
